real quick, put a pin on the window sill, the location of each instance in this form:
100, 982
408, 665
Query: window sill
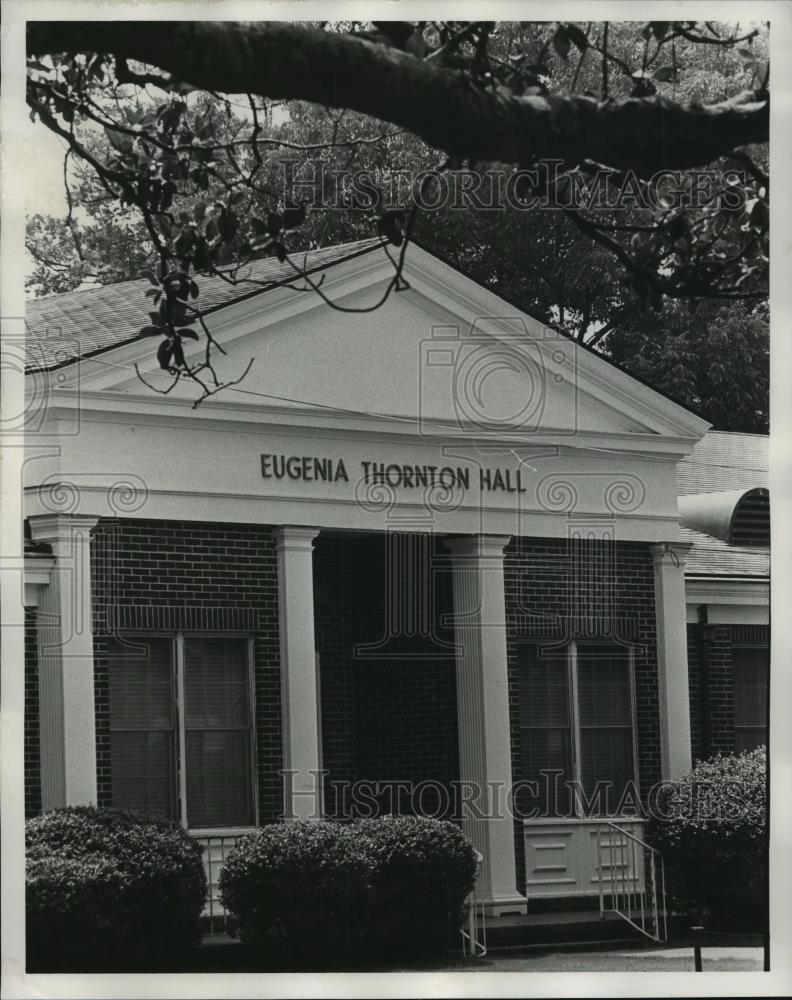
222, 831
581, 820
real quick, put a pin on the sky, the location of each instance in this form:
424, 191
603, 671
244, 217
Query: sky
43, 160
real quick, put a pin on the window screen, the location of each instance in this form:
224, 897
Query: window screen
217, 732
545, 727
143, 726
750, 679
147, 682
606, 724
588, 746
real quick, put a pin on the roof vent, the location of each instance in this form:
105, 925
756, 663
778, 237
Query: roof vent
750, 523
737, 517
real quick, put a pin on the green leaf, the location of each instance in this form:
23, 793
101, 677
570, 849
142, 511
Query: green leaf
577, 36
118, 140
189, 334
165, 353
562, 43
666, 74
228, 224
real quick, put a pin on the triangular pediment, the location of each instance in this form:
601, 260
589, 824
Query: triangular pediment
445, 356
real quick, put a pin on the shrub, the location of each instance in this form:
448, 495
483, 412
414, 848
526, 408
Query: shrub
327, 893
108, 889
424, 871
714, 841
294, 890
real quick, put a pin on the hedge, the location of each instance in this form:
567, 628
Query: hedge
326, 893
108, 889
712, 832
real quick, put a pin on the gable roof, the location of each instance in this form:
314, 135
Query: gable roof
68, 326
722, 468
84, 324
65, 327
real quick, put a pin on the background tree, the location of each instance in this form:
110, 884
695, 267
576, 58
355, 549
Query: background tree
714, 359
608, 104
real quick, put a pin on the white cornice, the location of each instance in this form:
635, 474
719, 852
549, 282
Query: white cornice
745, 592
222, 415
346, 512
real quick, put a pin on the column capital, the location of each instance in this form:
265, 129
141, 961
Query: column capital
291, 537
59, 527
477, 546
670, 553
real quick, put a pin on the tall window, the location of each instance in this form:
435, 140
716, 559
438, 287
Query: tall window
750, 665
181, 738
577, 726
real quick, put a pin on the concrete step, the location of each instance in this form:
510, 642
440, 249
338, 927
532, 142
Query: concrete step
558, 928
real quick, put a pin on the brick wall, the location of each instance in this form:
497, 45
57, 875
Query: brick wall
712, 696
388, 691
185, 575
563, 589
32, 748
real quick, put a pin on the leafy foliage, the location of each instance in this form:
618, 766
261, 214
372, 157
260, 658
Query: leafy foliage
106, 888
713, 836
714, 359
337, 893
209, 177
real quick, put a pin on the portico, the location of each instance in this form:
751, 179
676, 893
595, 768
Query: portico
388, 552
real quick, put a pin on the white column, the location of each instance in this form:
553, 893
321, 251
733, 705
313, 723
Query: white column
483, 714
299, 681
672, 658
66, 666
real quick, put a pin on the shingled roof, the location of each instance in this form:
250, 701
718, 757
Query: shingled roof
726, 464
62, 328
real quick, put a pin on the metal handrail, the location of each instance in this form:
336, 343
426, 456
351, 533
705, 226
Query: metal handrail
638, 900
472, 944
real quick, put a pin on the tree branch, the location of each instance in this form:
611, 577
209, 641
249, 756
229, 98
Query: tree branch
442, 106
